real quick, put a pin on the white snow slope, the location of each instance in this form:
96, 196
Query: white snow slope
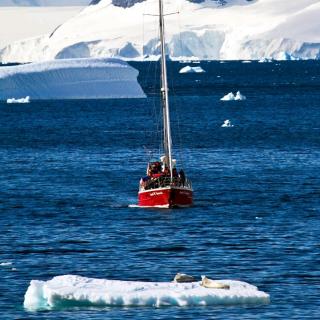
43, 3
71, 79
17, 23
70, 290
239, 30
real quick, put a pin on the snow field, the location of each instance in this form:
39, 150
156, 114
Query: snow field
241, 30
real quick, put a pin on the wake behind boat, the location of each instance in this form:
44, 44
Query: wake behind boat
163, 186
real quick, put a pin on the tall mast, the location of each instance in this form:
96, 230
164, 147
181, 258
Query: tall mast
164, 94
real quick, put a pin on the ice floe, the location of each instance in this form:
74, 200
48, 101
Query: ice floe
227, 124
232, 97
90, 78
70, 290
189, 69
21, 100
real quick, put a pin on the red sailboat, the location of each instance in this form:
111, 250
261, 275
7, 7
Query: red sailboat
164, 186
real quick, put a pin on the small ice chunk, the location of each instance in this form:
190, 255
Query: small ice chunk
239, 96
21, 100
69, 290
228, 97
227, 124
232, 97
188, 69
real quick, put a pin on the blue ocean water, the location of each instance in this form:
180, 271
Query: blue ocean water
70, 169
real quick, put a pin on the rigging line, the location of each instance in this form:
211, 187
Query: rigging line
177, 107
178, 104
156, 111
151, 86
148, 133
157, 101
156, 115
156, 15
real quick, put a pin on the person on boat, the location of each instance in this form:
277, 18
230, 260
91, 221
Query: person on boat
166, 171
174, 172
182, 177
144, 182
154, 168
157, 175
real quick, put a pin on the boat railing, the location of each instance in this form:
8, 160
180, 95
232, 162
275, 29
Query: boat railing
162, 182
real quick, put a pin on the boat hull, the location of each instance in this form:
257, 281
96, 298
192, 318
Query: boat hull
169, 197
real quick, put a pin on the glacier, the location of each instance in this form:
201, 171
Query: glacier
75, 291
205, 29
99, 78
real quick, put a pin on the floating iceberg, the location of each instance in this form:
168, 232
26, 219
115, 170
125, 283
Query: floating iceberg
239, 96
228, 97
21, 100
70, 290
227, 124
232, 97
189, 69
71, 79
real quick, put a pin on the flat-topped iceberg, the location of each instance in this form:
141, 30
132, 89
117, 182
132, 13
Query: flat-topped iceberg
70, 290
91, 78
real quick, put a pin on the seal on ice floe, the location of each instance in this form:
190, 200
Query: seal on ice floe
182, 278
208, 283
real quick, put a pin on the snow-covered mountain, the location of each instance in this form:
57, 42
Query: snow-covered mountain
206, 29
43, 3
